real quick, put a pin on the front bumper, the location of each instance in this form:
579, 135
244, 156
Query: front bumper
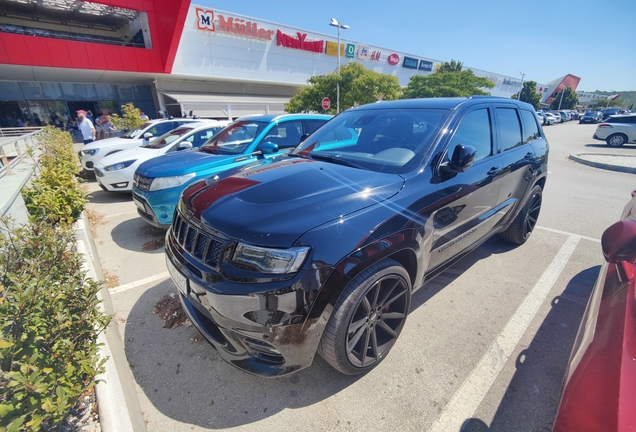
87, 162
114, 181
157, 207
260, 328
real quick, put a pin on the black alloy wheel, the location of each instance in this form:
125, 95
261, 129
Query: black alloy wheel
367, 319
532, 214
526, 220
377, 320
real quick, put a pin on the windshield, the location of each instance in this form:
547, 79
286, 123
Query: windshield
235, 138
392, 140
135, 132
165, 139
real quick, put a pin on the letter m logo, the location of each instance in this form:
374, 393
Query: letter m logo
205, 19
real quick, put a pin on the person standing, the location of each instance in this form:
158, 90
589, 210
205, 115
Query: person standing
86, 127
143, 116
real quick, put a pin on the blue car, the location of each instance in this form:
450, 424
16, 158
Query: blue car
158, 183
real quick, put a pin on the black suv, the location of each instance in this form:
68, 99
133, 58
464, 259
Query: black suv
321, 249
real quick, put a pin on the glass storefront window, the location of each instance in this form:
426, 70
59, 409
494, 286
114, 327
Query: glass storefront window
52, 91
31, 90
106, 92
10, 91
59, 114
38, 113
111, 105
79, 92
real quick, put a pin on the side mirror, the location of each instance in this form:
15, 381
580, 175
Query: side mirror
269, 148
185, 145
462, 159
147, 135
619, 247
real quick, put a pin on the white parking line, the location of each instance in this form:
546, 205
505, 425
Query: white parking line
469, 396
131, 285
567, 233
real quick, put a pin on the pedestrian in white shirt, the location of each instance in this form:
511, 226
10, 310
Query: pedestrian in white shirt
86, 127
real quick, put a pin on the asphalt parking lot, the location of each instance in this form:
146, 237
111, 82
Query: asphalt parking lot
485, 345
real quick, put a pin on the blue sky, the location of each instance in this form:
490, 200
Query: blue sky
591, 39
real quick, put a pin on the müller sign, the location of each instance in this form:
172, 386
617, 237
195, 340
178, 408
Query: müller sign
299, 42
231, 25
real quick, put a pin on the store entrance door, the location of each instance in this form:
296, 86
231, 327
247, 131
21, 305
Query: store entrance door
74, 106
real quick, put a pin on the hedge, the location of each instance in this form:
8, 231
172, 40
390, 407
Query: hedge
49, 311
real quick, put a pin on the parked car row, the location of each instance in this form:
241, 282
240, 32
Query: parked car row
291, 235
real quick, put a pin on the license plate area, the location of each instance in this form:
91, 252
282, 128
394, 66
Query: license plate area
179, 279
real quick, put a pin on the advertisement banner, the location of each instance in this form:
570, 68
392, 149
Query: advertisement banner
410, 63
363, 52
426, 66
351, 50
331, 48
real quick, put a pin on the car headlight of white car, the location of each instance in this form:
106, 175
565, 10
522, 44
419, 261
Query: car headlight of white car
274, 261
90, 152
160, 183
119, 166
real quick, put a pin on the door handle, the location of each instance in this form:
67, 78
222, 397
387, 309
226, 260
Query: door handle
493, 171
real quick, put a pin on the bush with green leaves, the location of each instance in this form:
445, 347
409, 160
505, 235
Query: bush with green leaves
130, 120
49, 323
55, 195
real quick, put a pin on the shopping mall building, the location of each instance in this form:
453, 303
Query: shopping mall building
58, 56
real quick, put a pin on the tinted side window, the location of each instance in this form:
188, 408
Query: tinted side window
475, 131
312, 126
530, 128
162, 128
286, 134
509, 128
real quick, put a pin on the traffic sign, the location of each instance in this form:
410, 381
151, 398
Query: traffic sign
326, 103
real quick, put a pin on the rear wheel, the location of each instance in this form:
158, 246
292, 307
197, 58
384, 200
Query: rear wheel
522, 226
367, 319
616, 140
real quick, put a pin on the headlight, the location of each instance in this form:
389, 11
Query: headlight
120, 165
169, 182
90, 152
276, 261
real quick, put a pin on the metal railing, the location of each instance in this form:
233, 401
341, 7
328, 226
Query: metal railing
18, 131
15, 144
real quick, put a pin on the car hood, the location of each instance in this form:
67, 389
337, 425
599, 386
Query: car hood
184, 162
111, 142
274, 203
136, 154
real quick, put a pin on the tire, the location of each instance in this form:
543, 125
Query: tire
367, 319
522, 226
616, 140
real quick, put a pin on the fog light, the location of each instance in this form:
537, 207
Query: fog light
120, 185
163, 212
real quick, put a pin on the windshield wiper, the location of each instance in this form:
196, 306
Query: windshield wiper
336, 160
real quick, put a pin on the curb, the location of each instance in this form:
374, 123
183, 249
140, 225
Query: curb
600, 165
117, 402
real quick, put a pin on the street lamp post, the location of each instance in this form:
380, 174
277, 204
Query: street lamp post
561, 100
335, 23
522, 77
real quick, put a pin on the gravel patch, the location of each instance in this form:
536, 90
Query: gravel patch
624, 161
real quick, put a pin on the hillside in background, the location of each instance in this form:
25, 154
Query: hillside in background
627, 97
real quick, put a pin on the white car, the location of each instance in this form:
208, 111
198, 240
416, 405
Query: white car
95, 151
550, 119
115, 173
617, 130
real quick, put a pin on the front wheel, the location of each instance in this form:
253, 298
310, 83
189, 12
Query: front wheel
616, 140
522, 226
367, 319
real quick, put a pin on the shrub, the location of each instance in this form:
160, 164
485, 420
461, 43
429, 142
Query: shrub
49, 323
129, 121
55, 195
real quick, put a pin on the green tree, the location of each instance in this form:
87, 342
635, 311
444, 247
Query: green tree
446, 84
452, 66
358, 86
129, 121
570, 99
529, 94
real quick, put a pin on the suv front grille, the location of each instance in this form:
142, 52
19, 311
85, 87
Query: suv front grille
142, 182
202, 246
